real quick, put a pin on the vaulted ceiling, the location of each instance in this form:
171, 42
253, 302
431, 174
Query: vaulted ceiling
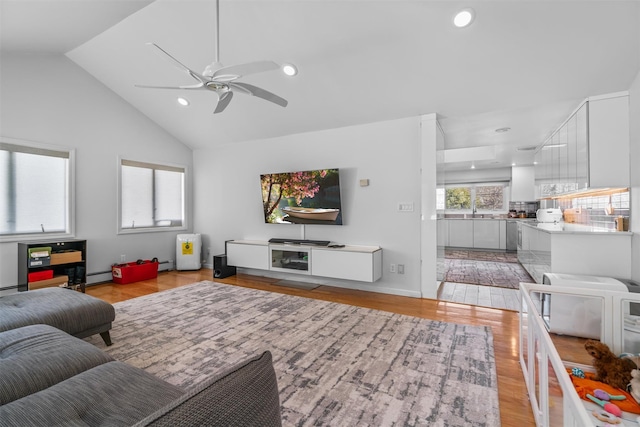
521, 64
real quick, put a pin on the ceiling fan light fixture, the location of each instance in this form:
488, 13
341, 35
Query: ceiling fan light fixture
464, 18
183, 101
289, 69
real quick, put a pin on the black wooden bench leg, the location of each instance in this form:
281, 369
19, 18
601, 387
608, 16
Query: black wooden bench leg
106, 337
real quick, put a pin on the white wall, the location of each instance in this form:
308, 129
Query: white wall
48, 99
228, 195
432, 254
634, 159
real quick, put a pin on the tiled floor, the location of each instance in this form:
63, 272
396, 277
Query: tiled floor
483, 278
484, 296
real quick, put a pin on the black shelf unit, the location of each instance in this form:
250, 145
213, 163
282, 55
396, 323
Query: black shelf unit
58, 269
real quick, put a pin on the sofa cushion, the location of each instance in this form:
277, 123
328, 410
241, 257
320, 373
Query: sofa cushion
35, 357
244, 395
111, 394
67, 310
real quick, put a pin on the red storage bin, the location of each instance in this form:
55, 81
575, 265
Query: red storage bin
40, 275
134, 272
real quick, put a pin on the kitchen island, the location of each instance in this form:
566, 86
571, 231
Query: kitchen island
573, 249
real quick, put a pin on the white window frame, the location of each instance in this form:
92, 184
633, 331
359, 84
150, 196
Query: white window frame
70, 220
473, 186
157, 228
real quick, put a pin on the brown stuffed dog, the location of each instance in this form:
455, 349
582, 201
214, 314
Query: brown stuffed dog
610, 369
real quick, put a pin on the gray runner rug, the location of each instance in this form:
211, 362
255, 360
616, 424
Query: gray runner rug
337, 365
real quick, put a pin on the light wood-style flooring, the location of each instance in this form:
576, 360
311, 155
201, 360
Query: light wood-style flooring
515, 409
485, 296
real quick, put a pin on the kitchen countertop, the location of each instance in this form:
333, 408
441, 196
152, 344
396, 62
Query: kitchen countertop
571, 228
494, 218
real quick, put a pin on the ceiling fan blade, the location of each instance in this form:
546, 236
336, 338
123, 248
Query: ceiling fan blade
179, 65
191, 87
224, 100
236, 71
259, 92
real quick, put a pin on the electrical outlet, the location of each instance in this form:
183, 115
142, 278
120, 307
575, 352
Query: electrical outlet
123, 258
400, 268
392, 268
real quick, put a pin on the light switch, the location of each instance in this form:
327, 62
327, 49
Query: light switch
405, 207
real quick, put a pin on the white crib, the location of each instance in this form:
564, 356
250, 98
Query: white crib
553, 397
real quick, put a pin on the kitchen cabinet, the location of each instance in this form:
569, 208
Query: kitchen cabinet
478, 233
461, 233
582, 147
585, 151
486, 233
443, 232
572, 153
609, 141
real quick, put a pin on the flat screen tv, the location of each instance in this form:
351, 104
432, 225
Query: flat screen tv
303, 197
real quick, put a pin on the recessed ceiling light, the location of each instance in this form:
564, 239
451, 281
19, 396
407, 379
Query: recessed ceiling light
504, 129
535, 163
473, 166
183, 101
464, 18
289, 69
513, 164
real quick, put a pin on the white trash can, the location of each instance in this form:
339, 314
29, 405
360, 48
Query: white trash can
188, 252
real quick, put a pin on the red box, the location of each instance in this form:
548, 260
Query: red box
134, 272
40, 275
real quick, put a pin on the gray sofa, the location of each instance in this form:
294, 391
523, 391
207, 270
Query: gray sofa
78, 314
48, 377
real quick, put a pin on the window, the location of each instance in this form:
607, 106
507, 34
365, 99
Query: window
479, 197
152, 197
458, 198
36, 183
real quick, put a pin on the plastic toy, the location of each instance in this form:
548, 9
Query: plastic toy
609, 419
608, 406
634, 386
577, 372
603, 395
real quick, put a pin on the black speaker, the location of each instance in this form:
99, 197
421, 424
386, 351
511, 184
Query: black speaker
220, 267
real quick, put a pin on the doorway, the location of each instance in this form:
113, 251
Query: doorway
483, 278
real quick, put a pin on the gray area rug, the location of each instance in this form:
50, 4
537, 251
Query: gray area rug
337, 365
488, 268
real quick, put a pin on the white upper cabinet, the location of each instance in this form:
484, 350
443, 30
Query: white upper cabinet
589, 150
609, 141
582, 148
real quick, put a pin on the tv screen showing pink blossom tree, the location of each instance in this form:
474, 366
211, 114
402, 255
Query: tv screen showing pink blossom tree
304, 197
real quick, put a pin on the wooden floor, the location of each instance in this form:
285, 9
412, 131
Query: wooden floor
515, 409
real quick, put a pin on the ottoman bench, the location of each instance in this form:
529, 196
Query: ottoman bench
75, 313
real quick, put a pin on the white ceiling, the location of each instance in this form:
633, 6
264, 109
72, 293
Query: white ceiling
522, 64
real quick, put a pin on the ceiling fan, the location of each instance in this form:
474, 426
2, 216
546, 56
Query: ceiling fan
221, 80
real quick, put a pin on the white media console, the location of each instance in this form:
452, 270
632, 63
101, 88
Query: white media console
361, 263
